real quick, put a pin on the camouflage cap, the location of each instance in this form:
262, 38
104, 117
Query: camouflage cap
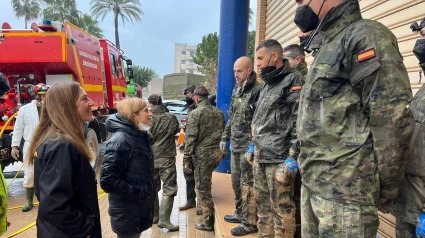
189, 89
155, 99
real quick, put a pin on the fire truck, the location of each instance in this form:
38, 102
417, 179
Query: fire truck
52, 52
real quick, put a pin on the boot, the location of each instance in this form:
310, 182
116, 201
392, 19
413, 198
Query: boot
242, 230
165, 213
191, 196
156, 210
206, 225
235, 218
30, 195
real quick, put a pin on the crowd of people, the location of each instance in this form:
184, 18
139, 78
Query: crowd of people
314, 153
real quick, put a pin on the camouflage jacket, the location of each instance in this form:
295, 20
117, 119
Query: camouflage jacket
273, 125
164, 127
189, 110
204, 129
354, 127
411, 201
302, 69
242, 107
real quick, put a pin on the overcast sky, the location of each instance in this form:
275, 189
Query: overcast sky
165, 22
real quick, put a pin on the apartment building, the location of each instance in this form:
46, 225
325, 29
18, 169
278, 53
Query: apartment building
183, 59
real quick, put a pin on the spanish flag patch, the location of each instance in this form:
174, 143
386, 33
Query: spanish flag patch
370, 53
297, 87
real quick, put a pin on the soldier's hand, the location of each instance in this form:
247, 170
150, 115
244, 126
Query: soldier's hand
420, 228
285, 172
15, 152
249, 155
223, 147
187, 165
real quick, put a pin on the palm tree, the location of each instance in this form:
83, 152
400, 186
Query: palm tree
124, 9
251, 13
29, 9
91, 26
61, 10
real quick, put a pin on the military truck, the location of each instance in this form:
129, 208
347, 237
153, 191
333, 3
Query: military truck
175, 83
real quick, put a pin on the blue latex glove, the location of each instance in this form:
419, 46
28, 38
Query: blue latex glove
291, 165
420, 228
251, 148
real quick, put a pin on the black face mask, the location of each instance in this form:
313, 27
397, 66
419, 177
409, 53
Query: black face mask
419, 50
306, 19
266, 75
189, 101
268, 68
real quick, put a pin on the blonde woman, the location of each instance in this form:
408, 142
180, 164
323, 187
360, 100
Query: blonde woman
127, 169
64, 180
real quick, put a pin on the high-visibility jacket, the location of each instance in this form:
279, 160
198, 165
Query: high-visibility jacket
3, 204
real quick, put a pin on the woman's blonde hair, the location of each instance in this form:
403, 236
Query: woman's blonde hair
130, 107
60, 118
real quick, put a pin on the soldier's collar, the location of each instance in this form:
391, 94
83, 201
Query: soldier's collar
340, 17
203, 103
301, 66
158, 109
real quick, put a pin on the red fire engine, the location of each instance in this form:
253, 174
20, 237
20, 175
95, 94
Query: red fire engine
52, 52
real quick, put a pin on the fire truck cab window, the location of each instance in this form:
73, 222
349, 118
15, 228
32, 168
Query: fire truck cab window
114, 66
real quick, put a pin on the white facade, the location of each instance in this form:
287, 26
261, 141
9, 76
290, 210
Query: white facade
183, 59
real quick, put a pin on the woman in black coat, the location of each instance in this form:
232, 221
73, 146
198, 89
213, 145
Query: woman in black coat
64, 180
127, 169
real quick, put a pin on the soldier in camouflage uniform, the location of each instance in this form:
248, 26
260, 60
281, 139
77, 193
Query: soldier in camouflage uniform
164, 127
410, 203
296, 57
273, 129
203, 134
238, 131
189, 176
353, 125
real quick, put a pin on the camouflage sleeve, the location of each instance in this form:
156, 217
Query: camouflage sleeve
152, 130
293, 101
176, 124
191, 135
227, 130
254, 98
381, 78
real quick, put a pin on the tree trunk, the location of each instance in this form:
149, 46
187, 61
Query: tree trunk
117, 36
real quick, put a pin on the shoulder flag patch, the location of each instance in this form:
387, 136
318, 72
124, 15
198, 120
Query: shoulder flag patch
370, 53
297, 87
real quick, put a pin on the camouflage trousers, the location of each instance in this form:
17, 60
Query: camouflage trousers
204, 166
325, 218
243, 186
165, 171
404, 229
275, 201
